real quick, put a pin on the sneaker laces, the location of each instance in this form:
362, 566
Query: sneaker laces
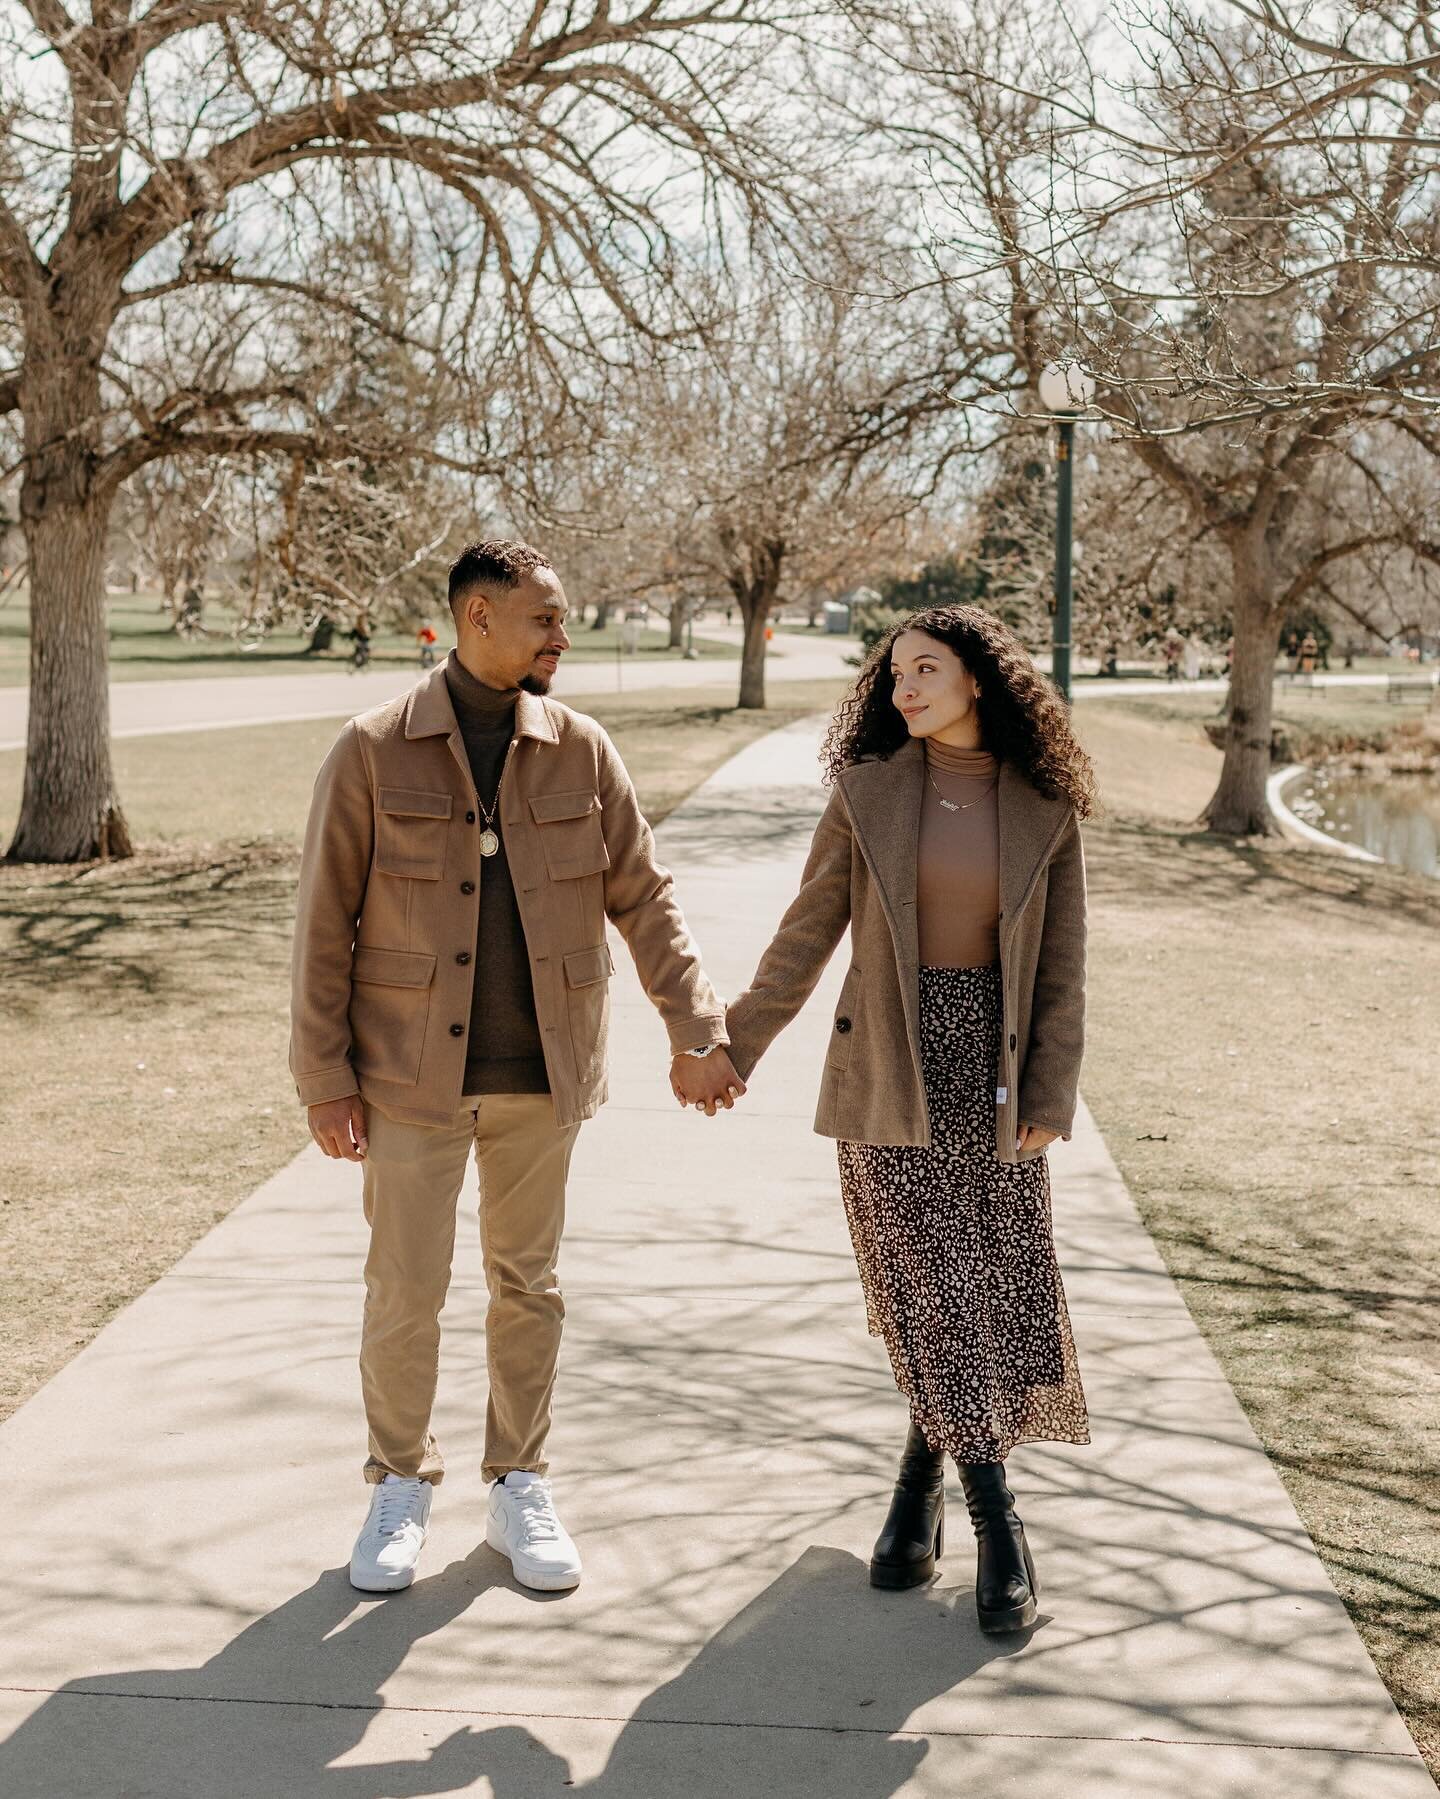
537, 1511
399, 1506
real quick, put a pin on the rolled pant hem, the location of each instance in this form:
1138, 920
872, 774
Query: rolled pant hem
375, 1472
490, 1472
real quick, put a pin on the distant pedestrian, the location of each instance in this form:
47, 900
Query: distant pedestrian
951, 850
428, 640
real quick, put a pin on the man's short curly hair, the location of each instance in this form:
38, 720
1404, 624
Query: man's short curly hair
495, 563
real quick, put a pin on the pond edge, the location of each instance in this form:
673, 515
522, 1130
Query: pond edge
1275, 797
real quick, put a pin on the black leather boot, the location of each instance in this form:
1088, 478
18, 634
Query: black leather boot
913, 1538
1005, 1583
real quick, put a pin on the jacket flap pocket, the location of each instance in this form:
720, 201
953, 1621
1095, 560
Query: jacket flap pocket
391, 967
586, 966
411, 803
546, 808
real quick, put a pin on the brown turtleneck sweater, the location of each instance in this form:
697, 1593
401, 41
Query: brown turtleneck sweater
958, 889
503, 1053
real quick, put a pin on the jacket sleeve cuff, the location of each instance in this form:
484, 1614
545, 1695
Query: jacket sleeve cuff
328, 1084
694, 1033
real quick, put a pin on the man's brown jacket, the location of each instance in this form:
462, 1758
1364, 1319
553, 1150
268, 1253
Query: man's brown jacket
392, 879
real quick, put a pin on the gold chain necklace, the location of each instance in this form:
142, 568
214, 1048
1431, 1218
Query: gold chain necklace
954, 805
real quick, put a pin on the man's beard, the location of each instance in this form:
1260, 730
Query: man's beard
536, 684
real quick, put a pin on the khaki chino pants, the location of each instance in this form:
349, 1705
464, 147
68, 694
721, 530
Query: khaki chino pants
413, 1177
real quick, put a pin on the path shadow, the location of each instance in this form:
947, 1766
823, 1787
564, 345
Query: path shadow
802, 1693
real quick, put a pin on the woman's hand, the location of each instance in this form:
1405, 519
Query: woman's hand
1035, 1137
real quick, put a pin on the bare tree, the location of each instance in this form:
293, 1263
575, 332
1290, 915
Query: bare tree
785, 452
175, 189
1241, 237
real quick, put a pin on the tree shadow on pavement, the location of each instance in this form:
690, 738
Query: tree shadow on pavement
803, 1693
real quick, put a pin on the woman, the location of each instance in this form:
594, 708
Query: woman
951, 847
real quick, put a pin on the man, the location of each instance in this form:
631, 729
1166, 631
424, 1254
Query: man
466, 845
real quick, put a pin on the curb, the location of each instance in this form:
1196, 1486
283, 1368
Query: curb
1274, 790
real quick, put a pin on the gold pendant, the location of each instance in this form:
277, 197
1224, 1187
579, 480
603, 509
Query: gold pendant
489, 843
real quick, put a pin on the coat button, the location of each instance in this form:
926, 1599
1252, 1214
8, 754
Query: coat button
1012, 1039
469, 818
842, 1025
457, 1030
463, 957
467, 886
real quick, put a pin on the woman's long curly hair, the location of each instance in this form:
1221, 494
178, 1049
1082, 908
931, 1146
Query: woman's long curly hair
1022, 718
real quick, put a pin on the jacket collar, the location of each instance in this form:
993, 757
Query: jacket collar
884, 799
429, 713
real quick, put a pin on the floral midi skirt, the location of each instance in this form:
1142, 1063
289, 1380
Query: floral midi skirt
957, 1252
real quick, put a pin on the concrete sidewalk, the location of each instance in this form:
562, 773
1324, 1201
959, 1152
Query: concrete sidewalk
182, 1497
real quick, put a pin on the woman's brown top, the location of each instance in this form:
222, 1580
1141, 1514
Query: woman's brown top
958, 886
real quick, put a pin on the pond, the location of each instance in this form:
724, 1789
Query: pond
1397, 817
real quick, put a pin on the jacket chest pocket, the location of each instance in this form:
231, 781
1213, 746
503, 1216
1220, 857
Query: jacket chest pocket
410, 832
570, 834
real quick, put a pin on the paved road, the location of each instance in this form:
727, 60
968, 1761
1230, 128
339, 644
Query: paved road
158, 708
175, 1618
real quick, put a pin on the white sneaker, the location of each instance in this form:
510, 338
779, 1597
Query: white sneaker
387, 1549
521, 1523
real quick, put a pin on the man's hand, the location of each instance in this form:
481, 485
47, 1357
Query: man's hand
338, 1126
1034, 1136
706, 1082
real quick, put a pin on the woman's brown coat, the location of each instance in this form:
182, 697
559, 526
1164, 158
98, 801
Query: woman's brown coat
861, 871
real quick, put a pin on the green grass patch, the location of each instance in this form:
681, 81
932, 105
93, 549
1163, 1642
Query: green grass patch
145, 647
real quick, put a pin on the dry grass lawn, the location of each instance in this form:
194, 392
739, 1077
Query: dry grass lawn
1264, 1043
143, 1085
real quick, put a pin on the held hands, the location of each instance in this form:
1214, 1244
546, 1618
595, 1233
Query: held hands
338, 1126
706, 1082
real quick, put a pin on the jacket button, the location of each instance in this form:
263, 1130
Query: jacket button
842, 1025
467, 886
469, 818
1012, 1039
457, 1030
463, 957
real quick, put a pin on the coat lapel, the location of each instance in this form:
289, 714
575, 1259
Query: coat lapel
1028, 826
884, 801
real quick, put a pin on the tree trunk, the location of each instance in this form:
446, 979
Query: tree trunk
602, 615
756, 614
677, 624
69, 811
1238, 807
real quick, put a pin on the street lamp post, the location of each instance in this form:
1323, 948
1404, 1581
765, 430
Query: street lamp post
1066, 389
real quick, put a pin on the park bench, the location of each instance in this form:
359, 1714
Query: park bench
1399, 688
